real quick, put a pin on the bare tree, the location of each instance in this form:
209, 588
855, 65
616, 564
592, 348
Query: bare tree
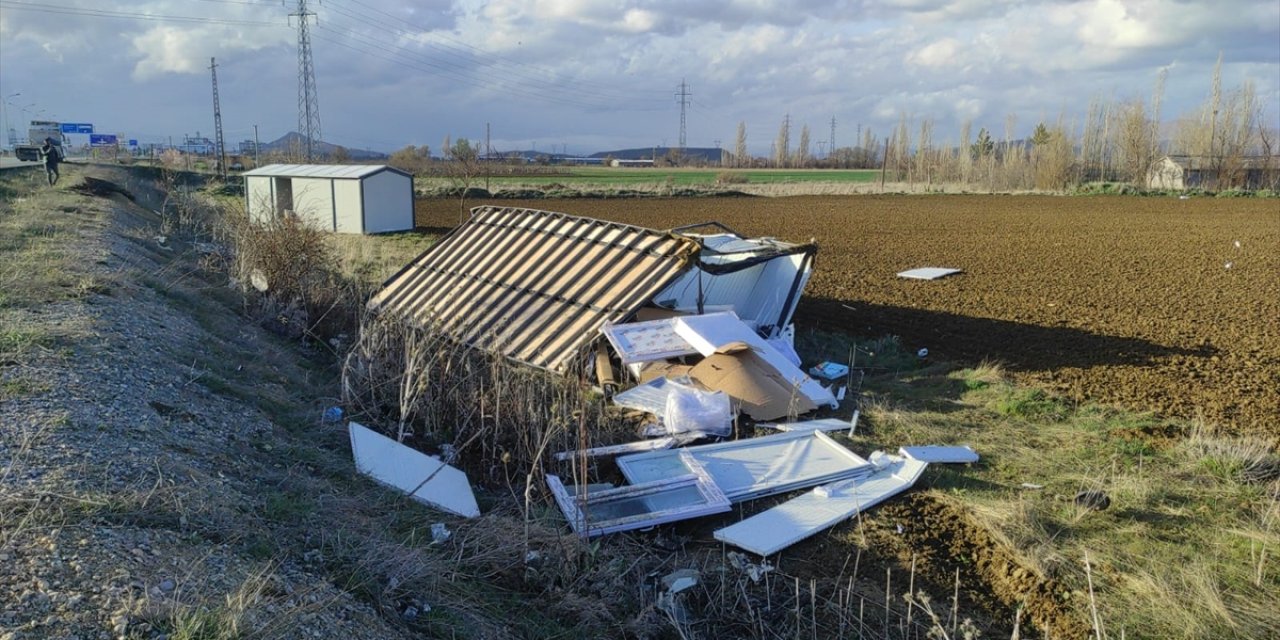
802, 148
740, 147
782, 147
924, 151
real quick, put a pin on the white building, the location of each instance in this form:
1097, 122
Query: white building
359, 198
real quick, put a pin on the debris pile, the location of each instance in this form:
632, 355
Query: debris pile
691, 329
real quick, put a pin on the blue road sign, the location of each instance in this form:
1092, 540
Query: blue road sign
77, 127
84, 128
102, 140
133, 143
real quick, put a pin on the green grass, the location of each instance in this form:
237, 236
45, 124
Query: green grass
675, 176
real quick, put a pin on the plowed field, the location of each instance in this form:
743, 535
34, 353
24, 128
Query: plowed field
1158, 304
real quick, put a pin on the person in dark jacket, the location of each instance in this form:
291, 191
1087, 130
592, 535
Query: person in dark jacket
52, 156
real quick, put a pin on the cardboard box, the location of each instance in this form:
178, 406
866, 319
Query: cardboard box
758, 388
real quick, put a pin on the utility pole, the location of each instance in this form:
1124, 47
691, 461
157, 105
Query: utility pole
255, 147
720, 154
308, 103
488, 150
220, 150
682, 96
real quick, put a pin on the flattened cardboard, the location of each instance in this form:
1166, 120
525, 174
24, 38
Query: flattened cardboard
663, 369
762, 392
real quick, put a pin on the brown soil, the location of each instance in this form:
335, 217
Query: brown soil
1144, 302
941, 537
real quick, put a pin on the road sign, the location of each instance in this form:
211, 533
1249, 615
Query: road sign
133, 142
102, 140
77, 127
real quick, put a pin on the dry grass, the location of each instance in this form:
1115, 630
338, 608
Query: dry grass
1184, 549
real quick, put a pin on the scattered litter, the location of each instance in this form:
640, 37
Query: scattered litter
1095, 500
692, 410
755, 571
754, 467
425, 478
1229, 264
650, 397
922, 353
840, 394
829, 370
928, 273
332, 414
940, 453
613, 450
1184, 197
773, 530
1029, 485
678, 581
440, 533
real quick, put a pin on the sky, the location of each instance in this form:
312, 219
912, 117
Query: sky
593, 75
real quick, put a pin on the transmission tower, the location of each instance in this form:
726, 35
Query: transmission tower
831, 144
308, 104
220, 150
682, 96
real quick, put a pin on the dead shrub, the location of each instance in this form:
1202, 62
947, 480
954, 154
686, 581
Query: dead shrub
497, 417
292, 273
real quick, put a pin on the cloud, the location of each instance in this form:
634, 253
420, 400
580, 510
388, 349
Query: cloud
584, 71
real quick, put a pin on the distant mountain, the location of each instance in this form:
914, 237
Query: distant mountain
293, 140
706, 154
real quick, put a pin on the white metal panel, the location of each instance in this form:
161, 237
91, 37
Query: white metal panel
313, 201
388, 202
260, 201
755, 467
342, 171
708, 333
927, 273
757, 294
346, 197
771, 531
824, 424
425, 478
940, 453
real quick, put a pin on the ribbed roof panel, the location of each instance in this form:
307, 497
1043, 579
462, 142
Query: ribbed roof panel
534, 285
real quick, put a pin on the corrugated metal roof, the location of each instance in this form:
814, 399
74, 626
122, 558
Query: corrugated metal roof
534, 285
345, 171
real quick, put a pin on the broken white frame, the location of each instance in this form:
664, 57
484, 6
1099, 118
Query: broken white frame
661, 501
753, 467
646, 341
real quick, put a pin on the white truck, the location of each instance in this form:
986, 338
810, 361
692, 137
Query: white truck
36, 135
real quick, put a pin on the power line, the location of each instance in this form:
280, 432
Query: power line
127, 15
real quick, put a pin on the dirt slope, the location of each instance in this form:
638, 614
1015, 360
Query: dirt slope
135, 501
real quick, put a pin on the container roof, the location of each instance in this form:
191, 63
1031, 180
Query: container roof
536, 286
320, 170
